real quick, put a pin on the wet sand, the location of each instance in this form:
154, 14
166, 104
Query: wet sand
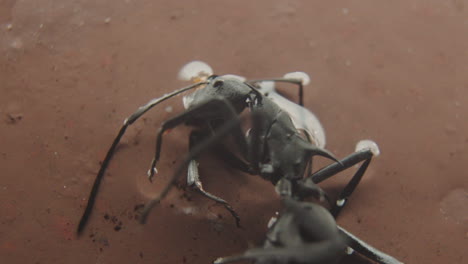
72, 71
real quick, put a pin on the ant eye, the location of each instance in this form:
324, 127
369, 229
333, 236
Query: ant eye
218, 84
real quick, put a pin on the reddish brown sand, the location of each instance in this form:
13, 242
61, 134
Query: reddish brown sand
71, 71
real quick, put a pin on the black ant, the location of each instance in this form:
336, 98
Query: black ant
306, 233
273, 148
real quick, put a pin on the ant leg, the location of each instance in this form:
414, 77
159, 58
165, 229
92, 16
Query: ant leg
286, 80
307, 188
229, 126
349, 189
367, 250
284, 188
130, 120
220, 105
232, 160
256, 140
193, 179
333, 169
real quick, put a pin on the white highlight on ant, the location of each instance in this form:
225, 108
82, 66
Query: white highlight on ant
370, 145
267, 168
187, 101
340, 202
300, 76
196, 71
234, 77
149, 172
273, 220
302, 118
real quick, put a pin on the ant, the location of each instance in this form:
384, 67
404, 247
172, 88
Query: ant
273, 148
306, 233
303, 233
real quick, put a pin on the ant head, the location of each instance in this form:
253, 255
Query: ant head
225, 86
229, 87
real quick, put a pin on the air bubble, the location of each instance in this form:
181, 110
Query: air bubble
454, 206
195, 71
17, 44
370, 145
188, 210
267, 87
340, 202
301, 76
